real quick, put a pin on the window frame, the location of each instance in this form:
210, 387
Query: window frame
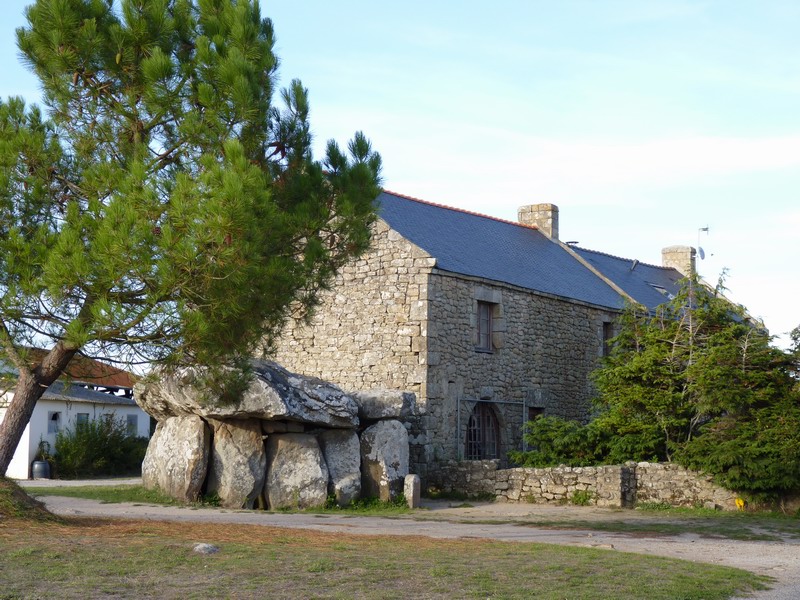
484, 327
482, 441
53, 421
132, 424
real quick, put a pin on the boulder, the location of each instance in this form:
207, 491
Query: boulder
297, 476
273, 394
384, 460
238, 463
342, 453
177, 458
374, 405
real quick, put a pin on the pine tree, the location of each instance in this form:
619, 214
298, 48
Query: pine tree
162, 208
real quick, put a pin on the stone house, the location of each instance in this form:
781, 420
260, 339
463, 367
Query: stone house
489, 322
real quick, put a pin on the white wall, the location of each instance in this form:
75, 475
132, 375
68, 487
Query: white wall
37, 429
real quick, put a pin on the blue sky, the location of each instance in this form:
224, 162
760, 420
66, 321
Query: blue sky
642, 121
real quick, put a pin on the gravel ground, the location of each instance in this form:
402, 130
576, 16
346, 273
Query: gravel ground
780, 560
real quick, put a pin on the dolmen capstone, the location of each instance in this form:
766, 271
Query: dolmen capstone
292, 441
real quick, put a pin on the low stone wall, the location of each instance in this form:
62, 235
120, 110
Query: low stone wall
470, 477
599, 486
674, 485
619, 486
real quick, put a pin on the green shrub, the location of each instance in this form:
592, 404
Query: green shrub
555, 441
581, 498
100, 447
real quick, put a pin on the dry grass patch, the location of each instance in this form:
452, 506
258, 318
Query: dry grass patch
90, 558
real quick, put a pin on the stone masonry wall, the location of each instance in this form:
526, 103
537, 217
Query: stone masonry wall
543, 351
599, 486
674, 485
609, 486
391, 320
470, 477
369, 330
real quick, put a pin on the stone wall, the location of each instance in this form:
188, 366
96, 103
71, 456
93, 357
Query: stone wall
610, 486
543, 351
369, 330
469, 477
392, 320
672, 484
598, 486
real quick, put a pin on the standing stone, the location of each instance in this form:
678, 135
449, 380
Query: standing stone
384, 459
411, 491
297, 476
177, 458
342, 453
238, 463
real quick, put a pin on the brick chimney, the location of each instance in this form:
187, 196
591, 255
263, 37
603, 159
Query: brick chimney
681, 258
544, 216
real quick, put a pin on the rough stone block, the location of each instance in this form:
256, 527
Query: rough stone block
411, 490
176, 461
297, 476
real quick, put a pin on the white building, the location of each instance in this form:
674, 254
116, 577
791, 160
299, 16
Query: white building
64, 405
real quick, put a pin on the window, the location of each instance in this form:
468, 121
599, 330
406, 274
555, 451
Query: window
484, 329
132, 421
53, 421
483, 434
534, 412
608, 333
82, 418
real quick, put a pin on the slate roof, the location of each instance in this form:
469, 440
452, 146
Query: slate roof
481, 246
468, 243
650, 285
77, 393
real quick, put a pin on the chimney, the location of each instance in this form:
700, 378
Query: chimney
681, 258
544, 216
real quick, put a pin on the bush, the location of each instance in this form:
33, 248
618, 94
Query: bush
100, 447
555, 441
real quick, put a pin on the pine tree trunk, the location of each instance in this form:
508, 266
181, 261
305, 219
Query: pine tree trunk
30, 387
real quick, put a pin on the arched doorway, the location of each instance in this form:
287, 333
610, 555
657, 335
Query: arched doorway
483, 434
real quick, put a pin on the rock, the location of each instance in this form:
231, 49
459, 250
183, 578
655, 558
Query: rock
274, 394
297, 476
205, 549
385, 404
238, 463
384, 460
342, 453
411, 491
177, 458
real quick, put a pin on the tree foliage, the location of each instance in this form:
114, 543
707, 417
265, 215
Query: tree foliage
162, 208
696, 382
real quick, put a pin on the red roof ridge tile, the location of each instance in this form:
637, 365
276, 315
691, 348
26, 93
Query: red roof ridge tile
461, 210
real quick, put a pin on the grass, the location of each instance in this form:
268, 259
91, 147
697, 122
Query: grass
139, 495
86, 558
16, 504
110, 494
89, 558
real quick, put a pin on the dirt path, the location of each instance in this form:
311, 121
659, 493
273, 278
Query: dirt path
780, 560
